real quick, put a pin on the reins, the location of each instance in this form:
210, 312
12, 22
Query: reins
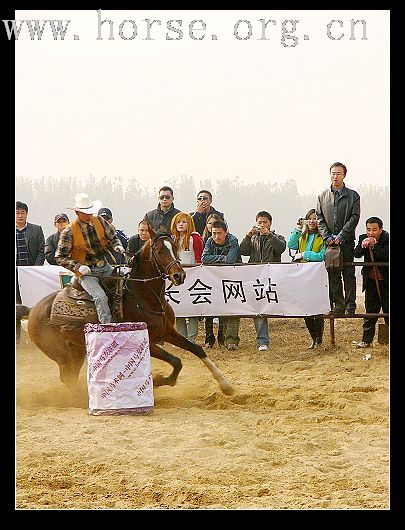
126, 278
163, 276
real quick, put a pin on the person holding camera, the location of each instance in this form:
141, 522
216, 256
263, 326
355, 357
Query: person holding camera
310, 246
262, 245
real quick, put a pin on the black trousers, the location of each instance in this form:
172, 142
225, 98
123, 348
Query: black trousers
315, 327
17, 301
338, 300
373, 305
209, 331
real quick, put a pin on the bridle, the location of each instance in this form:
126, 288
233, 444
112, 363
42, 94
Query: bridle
164, 273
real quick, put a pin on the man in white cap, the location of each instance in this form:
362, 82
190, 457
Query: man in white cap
82, 249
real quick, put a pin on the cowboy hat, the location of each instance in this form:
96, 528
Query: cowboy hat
84, 204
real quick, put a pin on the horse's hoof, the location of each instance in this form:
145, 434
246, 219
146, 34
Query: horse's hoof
227, 389
73, 386
159, 380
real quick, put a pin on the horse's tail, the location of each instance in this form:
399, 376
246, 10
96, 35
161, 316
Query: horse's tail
21, 311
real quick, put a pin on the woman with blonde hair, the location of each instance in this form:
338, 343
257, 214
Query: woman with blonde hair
190, 247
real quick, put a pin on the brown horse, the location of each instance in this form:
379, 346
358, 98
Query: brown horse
143, 301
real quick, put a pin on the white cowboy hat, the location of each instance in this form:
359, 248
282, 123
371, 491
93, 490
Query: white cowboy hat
84, 204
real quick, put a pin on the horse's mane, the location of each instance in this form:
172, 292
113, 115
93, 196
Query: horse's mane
162, 231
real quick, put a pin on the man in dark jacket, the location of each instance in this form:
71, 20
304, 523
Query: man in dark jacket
203, 210
60, 223
137, 241
165, 211
338, 214
30, 242
223, 248
30, 248
263, 245
374, 246
107, 215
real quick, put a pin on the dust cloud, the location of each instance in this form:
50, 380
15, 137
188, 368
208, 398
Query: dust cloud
304, 430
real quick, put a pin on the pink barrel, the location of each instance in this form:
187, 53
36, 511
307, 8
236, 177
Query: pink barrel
119, 372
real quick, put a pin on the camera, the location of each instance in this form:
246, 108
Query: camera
302, 221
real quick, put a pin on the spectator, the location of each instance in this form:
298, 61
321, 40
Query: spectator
137, 241
115, 257
307, 240
30, 248
60, 223
190, 247
209, 321
338, 213
82, 249
262, 245
374, 246
165, 211
223, 248
203, 210
30, 240
207, 230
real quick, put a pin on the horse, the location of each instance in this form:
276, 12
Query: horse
143, 301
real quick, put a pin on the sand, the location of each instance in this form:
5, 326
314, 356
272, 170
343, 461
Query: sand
304, 430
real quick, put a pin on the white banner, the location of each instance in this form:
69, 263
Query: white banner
285, 289
289, 289
37, 281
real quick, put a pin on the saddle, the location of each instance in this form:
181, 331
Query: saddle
74, 306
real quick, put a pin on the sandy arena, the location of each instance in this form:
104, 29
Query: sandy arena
304, 430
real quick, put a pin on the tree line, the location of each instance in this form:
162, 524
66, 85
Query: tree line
240, 202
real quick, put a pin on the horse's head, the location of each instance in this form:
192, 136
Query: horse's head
165, 255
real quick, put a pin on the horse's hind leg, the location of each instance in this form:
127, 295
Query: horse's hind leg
69, 372
173, 337
159, 353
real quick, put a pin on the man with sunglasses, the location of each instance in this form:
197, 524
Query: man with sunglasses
165, 211
203, 210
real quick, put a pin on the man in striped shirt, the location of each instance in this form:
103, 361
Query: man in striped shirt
30, 247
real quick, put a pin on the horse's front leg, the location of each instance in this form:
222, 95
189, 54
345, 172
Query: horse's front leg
173, 337
158, 352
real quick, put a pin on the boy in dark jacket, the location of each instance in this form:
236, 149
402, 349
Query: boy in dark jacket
60, 223
374, 246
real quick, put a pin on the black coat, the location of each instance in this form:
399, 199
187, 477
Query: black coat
35, 243
200, 219
135, 244
157, 217
50, 248
381, 253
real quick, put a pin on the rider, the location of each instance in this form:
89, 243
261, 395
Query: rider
82, 248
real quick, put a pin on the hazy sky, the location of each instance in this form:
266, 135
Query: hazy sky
156, 108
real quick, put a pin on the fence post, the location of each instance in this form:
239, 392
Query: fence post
332, 332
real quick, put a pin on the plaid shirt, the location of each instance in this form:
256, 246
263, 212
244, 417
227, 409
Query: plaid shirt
65, 245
